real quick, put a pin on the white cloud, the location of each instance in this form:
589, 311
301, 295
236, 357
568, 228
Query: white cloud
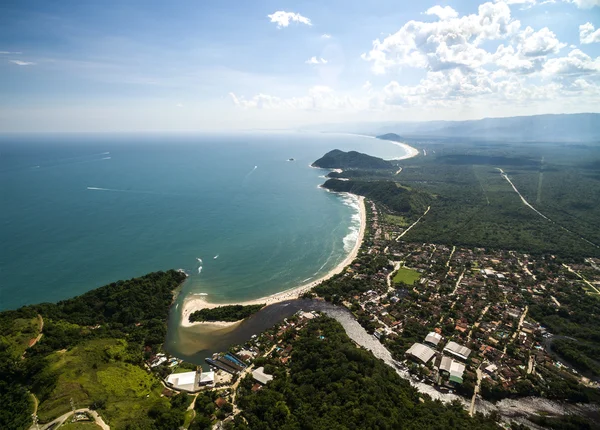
577, 63
538, 43
21, 63
283, 19
315, 60
585, 4
367, 86
326, 36
445, 12
587, 34
449, 43
10, 53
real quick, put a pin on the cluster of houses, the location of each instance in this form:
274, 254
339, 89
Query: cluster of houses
475, 297
450, 362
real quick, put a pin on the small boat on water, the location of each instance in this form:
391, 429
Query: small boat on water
215, 257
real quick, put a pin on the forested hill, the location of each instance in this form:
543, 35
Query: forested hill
332, 384
337, 159
395, 197
79, 348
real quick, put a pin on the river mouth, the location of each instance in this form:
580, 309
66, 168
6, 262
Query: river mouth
195, 343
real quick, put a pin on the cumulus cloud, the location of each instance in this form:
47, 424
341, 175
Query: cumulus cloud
587, 34
283, 19
539, 43
326, 36
486, 58
448, 43
577, 63
445, 12
21, 63
315, 60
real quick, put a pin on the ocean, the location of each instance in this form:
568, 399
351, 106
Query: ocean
81, 211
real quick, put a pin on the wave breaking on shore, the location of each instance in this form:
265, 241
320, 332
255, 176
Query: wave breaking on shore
194, 303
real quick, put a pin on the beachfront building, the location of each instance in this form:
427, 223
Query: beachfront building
420, 352
259, 375
457, 350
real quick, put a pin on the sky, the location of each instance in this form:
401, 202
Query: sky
129, 65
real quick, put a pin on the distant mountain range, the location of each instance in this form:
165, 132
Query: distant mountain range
582, 127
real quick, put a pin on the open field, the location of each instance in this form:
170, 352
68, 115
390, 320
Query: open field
79, 426
407, 276
93, 373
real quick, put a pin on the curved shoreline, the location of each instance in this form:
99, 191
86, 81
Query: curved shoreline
194, 303
410, 151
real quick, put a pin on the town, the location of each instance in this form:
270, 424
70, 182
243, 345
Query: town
455, 318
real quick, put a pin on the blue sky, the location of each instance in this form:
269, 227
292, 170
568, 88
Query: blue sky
200, 65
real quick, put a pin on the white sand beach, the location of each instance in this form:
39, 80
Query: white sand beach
410, 151
194, 303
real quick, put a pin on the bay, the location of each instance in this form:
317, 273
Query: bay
81, 211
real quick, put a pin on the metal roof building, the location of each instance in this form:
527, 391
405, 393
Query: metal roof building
433, 338
259, 375
457, 350
421, 352
445, 364
454, 368
184, 381
456, 372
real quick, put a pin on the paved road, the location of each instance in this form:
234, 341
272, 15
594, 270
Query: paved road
413, 224
60, 420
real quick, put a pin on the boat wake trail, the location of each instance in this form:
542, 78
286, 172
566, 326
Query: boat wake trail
117, 190
526, 203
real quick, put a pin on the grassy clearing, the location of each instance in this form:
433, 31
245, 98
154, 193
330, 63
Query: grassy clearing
407, 276
17, 339
91, 374
79, 426
396, 219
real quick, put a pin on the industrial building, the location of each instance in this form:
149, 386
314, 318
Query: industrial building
457, 350
421, 352
259, 375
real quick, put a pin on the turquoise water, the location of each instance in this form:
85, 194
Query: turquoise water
85, 210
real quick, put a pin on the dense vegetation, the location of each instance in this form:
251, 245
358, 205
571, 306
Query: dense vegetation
395, 198
225, 313
578, 318
475, 206
91, 350
337, 159
332, 384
